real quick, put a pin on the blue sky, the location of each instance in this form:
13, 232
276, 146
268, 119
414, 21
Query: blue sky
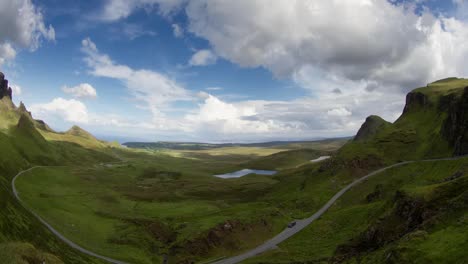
214, 70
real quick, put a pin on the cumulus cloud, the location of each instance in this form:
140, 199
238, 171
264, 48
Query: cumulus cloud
202, 58
221, 119
355, 58
297, 119
83, 90
382, 42
72, 110
156, 90
21, 26
7, 53
386, 42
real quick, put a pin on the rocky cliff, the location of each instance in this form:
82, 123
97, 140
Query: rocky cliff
455, 127
5, 90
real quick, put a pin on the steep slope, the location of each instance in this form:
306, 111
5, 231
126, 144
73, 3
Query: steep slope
433, 124
370, 128
22, 238
412, 214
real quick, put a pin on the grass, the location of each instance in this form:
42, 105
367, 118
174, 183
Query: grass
166, 202
25, 253
155, 204
286, 159
353, 214
22, 147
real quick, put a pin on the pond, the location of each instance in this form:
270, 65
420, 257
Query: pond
240, 173
320, 159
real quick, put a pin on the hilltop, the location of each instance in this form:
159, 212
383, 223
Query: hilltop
434, 123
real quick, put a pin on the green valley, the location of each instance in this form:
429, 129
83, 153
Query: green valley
161, 203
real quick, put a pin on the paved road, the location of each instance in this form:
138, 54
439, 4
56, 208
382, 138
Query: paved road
301, 224
55, 232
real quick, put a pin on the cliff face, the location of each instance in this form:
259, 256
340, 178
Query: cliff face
5, 90
415, 101
455, 127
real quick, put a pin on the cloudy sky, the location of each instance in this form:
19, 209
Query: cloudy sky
222, 70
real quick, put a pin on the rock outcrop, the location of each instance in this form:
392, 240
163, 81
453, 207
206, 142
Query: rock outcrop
455, 127
5, 90
415, 100
371, 126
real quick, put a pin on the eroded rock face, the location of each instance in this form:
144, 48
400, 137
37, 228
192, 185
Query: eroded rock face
415, 100
455, 127
5, 90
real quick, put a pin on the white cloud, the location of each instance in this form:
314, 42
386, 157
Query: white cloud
355, 40
72, 111
355, 57
220, 119
21, 26
339, 112
202, 58
119, 9
156, 90
83, 90
7, 53
177, 30
17, 90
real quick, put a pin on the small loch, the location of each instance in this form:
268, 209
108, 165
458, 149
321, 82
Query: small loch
321, 158
240, 173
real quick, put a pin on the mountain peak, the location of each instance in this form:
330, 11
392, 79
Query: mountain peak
371, 126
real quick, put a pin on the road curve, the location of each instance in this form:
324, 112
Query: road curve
301, 224
55, 232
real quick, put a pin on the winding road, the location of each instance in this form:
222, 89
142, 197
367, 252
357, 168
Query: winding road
303, 223
53, 230
270, 244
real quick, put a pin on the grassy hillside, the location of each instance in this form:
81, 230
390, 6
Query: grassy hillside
161, 203
411, 214
22, 238
76, 135
422, 131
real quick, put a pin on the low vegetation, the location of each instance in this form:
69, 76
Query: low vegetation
160, 201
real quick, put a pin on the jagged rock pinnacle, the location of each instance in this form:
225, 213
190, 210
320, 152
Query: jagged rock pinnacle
5, 91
